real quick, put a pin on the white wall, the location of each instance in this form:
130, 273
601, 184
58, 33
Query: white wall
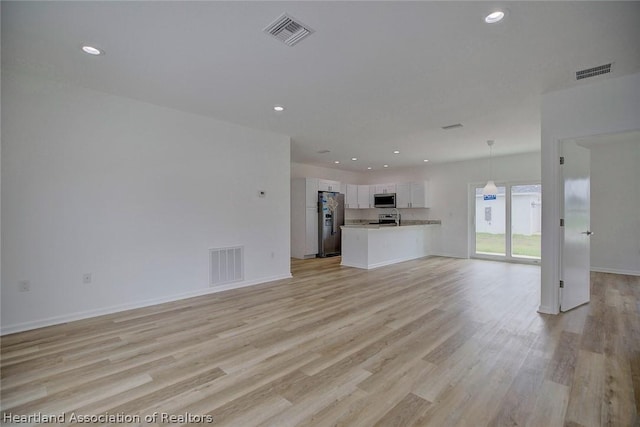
301, 170
605, 106
615, 207
133, 193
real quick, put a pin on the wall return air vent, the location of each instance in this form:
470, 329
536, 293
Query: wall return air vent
288, 30
592, 72
226, 265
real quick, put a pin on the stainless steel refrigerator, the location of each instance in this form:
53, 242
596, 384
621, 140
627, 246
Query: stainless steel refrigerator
330, 218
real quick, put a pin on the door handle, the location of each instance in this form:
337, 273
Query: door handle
588, 233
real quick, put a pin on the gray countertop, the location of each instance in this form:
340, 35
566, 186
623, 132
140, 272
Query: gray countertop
403, 224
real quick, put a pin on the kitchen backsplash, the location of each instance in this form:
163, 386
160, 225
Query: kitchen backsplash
415, 214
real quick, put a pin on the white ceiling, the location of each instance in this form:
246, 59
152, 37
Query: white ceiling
373, 78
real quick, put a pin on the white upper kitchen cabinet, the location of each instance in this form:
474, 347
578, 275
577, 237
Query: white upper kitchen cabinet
351, 197
364, 201
357, 197
403, 195
412, 195
385, 188
420, 195
328, 185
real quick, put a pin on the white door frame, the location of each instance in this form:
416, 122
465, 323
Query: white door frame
552, 211
575, 260
602, 107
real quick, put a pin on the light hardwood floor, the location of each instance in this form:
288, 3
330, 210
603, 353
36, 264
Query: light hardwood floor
434, 342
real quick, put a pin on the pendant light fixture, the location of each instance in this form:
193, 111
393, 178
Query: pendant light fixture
490, 191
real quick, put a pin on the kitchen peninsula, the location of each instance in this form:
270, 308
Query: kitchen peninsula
371, 245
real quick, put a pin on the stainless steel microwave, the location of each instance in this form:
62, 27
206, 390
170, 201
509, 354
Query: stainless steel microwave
384, 200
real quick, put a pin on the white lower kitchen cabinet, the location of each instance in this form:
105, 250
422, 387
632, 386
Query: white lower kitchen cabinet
304, 234
304, 217
311, 234
372, 246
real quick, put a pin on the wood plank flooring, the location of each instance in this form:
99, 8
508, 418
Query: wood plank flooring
429, 342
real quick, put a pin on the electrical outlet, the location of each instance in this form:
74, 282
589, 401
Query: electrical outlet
86, 278
24, 286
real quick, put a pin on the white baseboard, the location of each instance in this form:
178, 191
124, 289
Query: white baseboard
382, 264
616, 271
56, 320
395, 261
354, 265
244, 284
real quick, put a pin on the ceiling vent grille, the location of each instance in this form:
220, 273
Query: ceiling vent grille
457, 125
288, 30
592, 72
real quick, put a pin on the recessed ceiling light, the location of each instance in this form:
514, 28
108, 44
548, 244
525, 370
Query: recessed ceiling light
494, 17
425, 160
354, 158
91, 50
396, 152
278, 108
386, 166
337, 162
369, 168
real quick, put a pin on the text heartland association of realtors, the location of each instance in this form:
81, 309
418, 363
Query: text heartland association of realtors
117, 418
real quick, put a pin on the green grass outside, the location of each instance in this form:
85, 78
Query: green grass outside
521, 245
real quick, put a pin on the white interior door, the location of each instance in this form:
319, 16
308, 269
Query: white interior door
576, 262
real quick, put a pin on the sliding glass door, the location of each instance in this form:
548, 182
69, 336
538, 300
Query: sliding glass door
507, 227
491, 223
526, 221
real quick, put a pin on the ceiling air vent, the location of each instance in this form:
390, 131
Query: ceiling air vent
288, 30
457, 125
592, 72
